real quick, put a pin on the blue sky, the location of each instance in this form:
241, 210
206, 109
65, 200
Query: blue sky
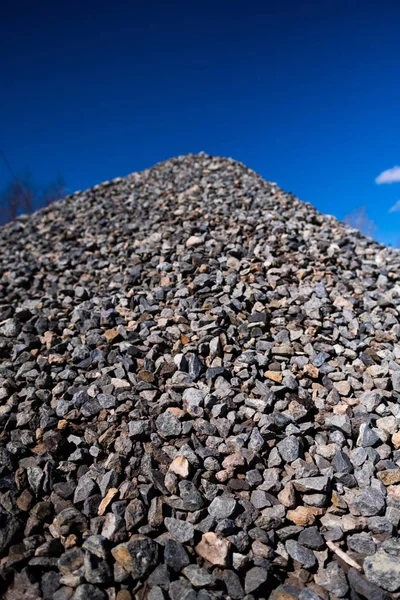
306, 93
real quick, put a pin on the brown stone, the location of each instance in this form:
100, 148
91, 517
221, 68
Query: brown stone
124, 595
214, 549
274, 376
283, 592
287, 496
338, 500
194, 240
180, 466
184, 339
178, 412
106, 500
24, 502
147, 376
389, 477
111, 335
304, 515
343, 387
233, 460
394, 491
138, 556
311, 371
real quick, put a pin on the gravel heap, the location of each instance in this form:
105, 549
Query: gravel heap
199, 395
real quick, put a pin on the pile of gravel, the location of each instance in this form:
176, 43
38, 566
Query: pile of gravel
199, 395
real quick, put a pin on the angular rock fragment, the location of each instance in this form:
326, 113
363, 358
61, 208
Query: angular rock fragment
138, 556
214, 549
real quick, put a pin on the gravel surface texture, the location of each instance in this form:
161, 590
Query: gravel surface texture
199, 395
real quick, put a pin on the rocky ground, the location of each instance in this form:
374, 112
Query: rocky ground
199, 395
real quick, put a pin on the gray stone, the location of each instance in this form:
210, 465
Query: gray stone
198, 577
312, 484
299, 553
396, 381
138, 556
91, 408
383, 570
289, 448
254, 579
156, 593
381, 525
367, 437
342, 463
311, 538
168, 425
86, 591
367, 502
260, 499
361, 543
193, 400
10, 328
159, 577
175, 555
138, 428
333, 580
222, 507
191, 498
256, 442
97, 571
341, 422
307, 594
233, 585
182, 531
363, 587
134, 514
181, 590
97, 545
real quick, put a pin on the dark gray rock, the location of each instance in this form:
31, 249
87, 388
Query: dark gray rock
342, 463
254, 579
191, 497
86, 591
360, 585
233, 584
175, 555
367, 436
311, 538
367, 502
86, 486
138, 556
49, 584
181, 590
198, 577
299, 553
289, 448
168, 425
333, 580
361, 543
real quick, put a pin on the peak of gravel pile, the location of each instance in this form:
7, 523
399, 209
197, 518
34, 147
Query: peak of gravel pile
199, 395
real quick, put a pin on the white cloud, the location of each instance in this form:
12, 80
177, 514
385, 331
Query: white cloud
395, 207
389, 176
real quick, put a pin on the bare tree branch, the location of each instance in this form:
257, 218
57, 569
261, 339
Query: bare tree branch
22, 196
359, 219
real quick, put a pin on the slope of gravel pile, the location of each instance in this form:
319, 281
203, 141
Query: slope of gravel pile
199, 395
